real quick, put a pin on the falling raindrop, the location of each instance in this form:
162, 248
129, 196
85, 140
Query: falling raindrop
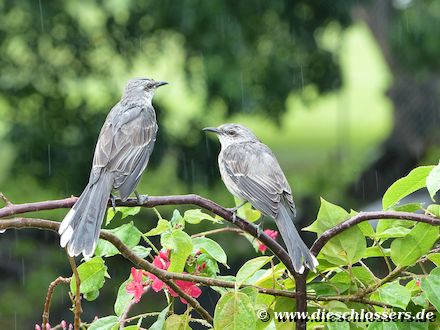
41, 15
377, 181
302, 78
22, 272
242, 91
49, 160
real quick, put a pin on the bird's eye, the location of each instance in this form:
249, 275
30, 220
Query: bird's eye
231, 132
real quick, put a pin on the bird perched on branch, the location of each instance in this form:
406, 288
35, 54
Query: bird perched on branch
124, 146
251, 172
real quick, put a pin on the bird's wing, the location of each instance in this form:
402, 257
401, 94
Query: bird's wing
257, 174
125, 143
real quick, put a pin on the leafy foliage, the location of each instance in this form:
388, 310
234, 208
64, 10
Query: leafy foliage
344, 283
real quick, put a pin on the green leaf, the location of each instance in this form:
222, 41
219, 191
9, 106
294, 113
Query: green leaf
250, 268
127, 233
270, 277
92, 274
211, 248
363, 275
234, 311
343, 282
104, 323
181, 246
124, 210
376, 251
385, 224
343, 325
141, 251
177, 322
393, 232
284, 304
251, 292
414, 181
345, 248
196, 216
131, 327
246, 211
435, 258
162, 226
123, 298
413, 287
433, 181
177, 220
160, 322
92, 295
421, 300
434, 209
323, 289
393, 294
410, 207
407, 250
366, 229
211, 268
431, 286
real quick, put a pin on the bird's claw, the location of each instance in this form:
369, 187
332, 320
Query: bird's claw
141, 199
234, 211
113, 201
259, 230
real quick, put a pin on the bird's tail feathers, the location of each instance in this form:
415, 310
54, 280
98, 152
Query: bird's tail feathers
297, 249
81, 226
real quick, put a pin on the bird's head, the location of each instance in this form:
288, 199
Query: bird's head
232, 133
142, 86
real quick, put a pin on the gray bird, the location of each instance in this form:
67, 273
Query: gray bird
251, 172
124, 146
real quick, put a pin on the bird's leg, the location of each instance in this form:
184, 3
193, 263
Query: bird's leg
113, 200
260, 227
141, 199
234, 211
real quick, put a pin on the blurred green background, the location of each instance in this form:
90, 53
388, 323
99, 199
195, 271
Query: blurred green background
346, 93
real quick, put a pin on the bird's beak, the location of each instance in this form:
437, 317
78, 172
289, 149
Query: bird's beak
212, 129
160, 83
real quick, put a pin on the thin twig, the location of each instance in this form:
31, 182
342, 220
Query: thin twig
218, 231
48, 300
6, 200
77, 307
396, 271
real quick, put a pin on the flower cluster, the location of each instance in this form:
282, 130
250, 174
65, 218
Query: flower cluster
161, 261
136, 286
272, 234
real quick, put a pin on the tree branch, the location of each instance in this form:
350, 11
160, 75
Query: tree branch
48, 300
153, 201
191, 199
19, 223
77, 310
364, 216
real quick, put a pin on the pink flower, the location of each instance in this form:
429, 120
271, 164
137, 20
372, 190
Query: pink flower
272, 234
37, 327
63, 325
162, 262
188, 287
418, 282
136, 286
